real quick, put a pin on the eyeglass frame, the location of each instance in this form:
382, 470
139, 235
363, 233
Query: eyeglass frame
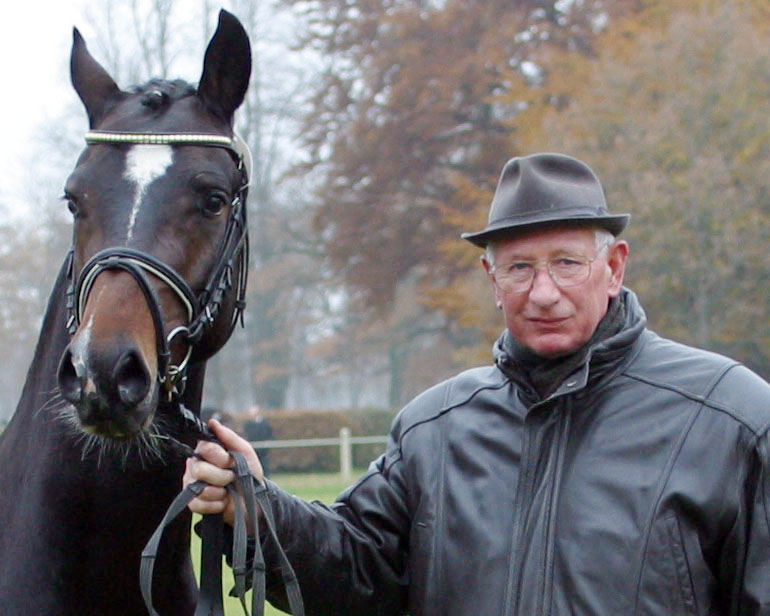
536, 265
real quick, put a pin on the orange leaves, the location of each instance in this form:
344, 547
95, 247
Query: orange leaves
673, 115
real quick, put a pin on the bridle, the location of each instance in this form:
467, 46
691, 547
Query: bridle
202, 309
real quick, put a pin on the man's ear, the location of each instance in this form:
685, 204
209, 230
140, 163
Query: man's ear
487, 265
616, 262
488, 268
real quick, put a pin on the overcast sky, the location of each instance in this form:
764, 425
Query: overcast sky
34, 68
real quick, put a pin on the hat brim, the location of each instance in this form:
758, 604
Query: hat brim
508, 228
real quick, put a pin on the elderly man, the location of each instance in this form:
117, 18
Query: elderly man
595, 468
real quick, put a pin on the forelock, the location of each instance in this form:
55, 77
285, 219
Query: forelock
157, 92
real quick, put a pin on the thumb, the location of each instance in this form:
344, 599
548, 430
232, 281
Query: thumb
232, 441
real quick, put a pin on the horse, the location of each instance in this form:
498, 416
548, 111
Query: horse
152, 287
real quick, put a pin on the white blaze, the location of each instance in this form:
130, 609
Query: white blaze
144, 164
79, 350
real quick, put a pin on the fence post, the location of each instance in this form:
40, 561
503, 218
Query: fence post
346, 455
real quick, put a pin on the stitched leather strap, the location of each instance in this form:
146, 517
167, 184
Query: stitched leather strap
210, 601
253, 496
150, 551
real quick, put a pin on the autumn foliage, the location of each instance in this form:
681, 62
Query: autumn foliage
358, 272
422, 103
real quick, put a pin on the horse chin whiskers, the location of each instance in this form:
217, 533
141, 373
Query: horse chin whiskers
142, 448
145, 447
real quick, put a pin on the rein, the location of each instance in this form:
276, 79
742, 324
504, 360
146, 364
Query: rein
248, 571
202, 310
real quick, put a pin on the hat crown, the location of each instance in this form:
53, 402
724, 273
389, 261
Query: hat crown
546, 189
543, 182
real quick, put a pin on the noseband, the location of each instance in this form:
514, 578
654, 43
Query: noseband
202, 309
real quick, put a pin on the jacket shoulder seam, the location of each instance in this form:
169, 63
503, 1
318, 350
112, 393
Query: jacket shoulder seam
703, 399
446, 407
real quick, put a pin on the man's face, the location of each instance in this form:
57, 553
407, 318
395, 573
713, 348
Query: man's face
550, 320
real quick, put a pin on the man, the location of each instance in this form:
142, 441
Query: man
596, 468
256, 429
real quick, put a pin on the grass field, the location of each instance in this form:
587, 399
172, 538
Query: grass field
322, 487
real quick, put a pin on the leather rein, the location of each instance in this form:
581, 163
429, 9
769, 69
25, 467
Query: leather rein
202, 310
248, 565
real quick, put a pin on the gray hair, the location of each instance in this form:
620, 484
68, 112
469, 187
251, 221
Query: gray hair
603, 239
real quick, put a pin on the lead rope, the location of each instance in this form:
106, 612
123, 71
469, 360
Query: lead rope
252, 494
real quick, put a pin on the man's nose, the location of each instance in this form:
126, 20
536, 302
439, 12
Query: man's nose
544, 290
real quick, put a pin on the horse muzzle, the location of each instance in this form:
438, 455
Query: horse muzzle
113, 394
109, 371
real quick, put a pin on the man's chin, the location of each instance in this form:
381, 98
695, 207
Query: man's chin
553, 346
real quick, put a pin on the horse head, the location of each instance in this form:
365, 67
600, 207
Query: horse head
159, 252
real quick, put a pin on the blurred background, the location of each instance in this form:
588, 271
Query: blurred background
379, 128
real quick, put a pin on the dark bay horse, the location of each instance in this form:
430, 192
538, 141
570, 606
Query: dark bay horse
152, 288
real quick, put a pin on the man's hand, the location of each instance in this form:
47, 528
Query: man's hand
214, 469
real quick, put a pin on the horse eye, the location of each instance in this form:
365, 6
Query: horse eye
213, 204
71, 204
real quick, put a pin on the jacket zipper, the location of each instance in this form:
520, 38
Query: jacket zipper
524, 493
565, 421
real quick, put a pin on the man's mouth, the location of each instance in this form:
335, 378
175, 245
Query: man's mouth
549, 323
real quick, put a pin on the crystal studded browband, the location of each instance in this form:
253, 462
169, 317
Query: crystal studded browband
93, 137
234, 143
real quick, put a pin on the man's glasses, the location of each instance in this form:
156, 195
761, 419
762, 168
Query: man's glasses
565, 271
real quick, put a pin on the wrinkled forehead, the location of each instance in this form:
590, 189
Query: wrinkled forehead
543, 243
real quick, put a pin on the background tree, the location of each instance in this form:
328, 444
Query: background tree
410, 96
35, 235
409, 123
673, 115
258, 365
396, 117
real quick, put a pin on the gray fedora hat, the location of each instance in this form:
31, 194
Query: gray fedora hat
545, 190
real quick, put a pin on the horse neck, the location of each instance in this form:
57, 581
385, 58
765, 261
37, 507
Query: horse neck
38, 398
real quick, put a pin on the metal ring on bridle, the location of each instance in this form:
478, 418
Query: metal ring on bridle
182, 366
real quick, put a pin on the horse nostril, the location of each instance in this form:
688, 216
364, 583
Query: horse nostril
70, 384
131, 378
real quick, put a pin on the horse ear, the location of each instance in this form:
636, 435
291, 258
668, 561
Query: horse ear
93, 84
226, 68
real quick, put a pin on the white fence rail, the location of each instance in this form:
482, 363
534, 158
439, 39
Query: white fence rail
344, 441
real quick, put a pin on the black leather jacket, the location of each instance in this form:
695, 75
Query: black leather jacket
639, 487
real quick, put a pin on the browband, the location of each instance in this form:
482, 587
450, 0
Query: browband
234, 143
108, 136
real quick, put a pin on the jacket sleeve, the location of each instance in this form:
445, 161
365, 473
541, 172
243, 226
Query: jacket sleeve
350, 557
754, 594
